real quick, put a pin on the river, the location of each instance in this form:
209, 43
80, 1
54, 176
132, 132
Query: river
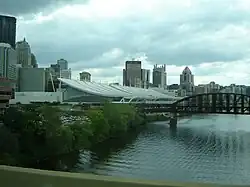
205, 148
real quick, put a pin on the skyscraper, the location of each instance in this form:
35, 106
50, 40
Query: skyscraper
8, 62
8, 66
8, 30
23, 53
187, 81
63, 64
160, 76
132, 73
33, 61
145, 78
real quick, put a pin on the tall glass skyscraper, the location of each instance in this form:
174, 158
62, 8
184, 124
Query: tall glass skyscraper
8, 30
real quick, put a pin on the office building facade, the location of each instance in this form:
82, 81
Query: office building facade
160, 76
145, 78
132, 74
8, 66
8, 30
63, 64
66, 74
187, 81
32, 79
33, 61
24, 56
7, 61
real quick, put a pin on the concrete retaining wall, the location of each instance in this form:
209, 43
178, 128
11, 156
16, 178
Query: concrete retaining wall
22, 177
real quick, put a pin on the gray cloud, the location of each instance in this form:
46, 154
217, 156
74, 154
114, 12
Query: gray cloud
207, 33
20, 7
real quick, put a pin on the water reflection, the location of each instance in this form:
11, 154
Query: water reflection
214, 143
213, 148
101, 153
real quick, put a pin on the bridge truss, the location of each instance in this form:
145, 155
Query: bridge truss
220, 103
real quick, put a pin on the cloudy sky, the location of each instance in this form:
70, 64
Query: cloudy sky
212, 37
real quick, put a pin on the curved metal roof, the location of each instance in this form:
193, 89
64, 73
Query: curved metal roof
106, 90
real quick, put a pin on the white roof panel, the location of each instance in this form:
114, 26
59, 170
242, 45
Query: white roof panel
115, 90
93, 88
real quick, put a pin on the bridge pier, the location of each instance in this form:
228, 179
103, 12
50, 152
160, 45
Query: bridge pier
173, 122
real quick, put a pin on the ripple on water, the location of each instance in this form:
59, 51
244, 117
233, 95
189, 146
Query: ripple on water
208, 148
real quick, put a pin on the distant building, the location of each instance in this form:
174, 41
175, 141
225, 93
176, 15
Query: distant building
132, 74
8, 64
187, 81
63, 64
52, 82
233, 88
8, 30
32, 79
173, 87
60, 69
173, 93
55, 67
8, 61
66, 74
85, 76
200, 89
182, 93
248, 90
160, 76
23, 53
33, 61
145, 78
54, 70
207, 88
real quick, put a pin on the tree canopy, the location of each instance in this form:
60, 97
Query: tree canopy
34, 133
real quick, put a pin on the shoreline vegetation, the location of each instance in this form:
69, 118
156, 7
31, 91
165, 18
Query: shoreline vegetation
38, 135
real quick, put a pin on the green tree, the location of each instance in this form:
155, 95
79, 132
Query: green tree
82, 133
35, 133
8, 147
40, 132
99, 125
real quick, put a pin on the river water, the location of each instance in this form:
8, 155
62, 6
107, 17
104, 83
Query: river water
205, 148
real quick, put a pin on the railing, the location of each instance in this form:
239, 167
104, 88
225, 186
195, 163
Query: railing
23, 177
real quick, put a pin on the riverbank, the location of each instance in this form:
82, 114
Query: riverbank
35, 135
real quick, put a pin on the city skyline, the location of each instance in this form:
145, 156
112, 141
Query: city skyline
190, 39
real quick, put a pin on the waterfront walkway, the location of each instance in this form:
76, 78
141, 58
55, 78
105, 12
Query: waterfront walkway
14, 176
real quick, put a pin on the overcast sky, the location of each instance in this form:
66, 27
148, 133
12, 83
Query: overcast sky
212, 37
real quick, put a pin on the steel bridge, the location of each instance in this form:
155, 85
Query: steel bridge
216, 103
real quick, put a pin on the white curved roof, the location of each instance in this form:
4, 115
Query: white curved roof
115, 90
143, 93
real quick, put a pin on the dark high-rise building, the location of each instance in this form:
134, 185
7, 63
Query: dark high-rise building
132, 73
8, 30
